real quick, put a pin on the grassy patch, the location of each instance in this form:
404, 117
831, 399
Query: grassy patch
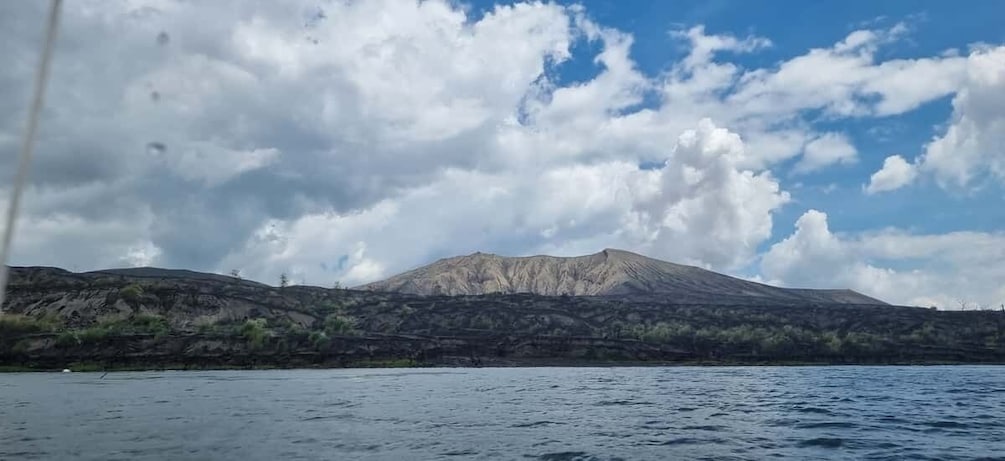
141, 324
17, 324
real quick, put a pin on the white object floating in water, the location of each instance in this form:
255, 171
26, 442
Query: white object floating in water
66, 370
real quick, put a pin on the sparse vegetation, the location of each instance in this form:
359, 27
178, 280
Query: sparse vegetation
147, 323
131, 293
319, 340
338, 324
360, 328
67, 339
254, 332
17, 324
785, 340
331, 307
140, 324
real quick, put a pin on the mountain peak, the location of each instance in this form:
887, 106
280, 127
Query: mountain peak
609, 272
614, 253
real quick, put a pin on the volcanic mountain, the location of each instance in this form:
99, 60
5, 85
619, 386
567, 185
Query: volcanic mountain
607, 273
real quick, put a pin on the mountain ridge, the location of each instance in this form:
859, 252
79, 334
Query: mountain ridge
610, 272
153, 318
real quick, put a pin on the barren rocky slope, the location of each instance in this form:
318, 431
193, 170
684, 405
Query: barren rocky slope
607, 273
153, 318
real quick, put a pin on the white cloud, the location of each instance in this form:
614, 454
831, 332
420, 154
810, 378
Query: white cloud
844, 80
142, 254
704, 47
699, 208
974, 142
767, 106
896, 173
98, 244
380, 134
826, 150
892, 265
713, 212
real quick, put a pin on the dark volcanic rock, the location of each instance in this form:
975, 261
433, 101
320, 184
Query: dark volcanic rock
150, 319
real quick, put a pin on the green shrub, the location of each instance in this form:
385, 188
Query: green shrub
832, 342
660, 332
147, 323
73, 338
138, 324
319, 340
131, 293
337, 324
95, 334
67, 339
862, 343
254, 331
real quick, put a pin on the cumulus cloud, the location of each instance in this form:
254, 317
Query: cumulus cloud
716, 211
974, 142
768, 106
699, 208
972, 145
896, 173
892, 265
256, 116
352, 140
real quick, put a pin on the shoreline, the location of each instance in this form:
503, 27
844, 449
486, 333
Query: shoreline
97, 367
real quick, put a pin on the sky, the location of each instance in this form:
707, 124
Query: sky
806, 144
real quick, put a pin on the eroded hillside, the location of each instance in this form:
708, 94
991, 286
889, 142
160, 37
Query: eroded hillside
54, 318
607, 273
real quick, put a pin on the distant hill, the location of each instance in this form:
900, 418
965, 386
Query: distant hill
156, 272
644, 311
607, 273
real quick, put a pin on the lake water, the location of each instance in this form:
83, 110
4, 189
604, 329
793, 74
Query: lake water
953, 412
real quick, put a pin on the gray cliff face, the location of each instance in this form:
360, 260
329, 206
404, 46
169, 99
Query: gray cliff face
607, 273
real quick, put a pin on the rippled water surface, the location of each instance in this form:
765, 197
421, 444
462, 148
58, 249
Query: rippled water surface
521, 413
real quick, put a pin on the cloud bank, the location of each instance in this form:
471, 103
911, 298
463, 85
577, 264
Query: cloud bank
352, 140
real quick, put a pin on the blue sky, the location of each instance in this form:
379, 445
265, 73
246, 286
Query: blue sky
810, 144
795, 26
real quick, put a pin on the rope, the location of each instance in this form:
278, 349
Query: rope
41, 77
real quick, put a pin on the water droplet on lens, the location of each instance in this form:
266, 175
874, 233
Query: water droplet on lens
163, 38
155, 96
156, 148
